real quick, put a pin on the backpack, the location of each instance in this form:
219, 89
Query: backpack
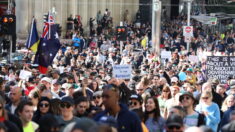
201, 120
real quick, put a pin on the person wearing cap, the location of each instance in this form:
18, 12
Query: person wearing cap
135, 102
97, 99
47, 82
56, 86
174, 123
69, 89
55, 75
67, 108
127, 120
191, 78
192, 117
231, 89
174, 81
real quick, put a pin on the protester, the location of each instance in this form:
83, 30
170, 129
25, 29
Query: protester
171, 83
153, 119
209, 109
127, 120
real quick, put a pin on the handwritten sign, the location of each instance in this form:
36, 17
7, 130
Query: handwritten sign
193, 58
166, 55
122, 71
220, 67
24, 75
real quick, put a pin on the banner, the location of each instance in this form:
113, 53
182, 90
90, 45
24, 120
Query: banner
220, 67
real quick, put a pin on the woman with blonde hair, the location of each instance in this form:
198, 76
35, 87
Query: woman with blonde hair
209, 109
228, 102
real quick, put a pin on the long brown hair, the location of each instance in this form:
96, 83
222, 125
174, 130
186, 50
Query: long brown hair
166, 88
156, 110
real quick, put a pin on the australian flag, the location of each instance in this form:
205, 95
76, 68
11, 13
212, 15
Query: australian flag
48, 47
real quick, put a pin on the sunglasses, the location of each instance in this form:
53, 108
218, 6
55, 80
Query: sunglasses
96, 97
63, 105
133, 103
205, 98
139, 89
174, 127
184, 97
165, 91
43, 105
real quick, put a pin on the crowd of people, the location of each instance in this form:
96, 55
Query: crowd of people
80, 94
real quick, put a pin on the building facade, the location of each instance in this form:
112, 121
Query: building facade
25, 10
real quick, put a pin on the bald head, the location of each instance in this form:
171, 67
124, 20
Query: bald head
15, 94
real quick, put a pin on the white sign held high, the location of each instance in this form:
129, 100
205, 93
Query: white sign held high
24, 75
122, 71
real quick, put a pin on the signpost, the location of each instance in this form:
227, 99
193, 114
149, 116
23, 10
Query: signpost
220, 67
188, 33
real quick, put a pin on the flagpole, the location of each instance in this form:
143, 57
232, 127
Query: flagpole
49, 26
30, 37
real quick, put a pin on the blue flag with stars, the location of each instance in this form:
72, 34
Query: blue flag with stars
47, 50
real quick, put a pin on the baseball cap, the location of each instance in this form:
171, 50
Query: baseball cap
67, 99
174, 120
232, 84
174, 79
47, 79
67, 85
186, 93
190, 69
136, 97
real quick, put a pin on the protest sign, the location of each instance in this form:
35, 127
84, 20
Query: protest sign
166, 55
193, 58
24, 75
122, 71
220, 67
